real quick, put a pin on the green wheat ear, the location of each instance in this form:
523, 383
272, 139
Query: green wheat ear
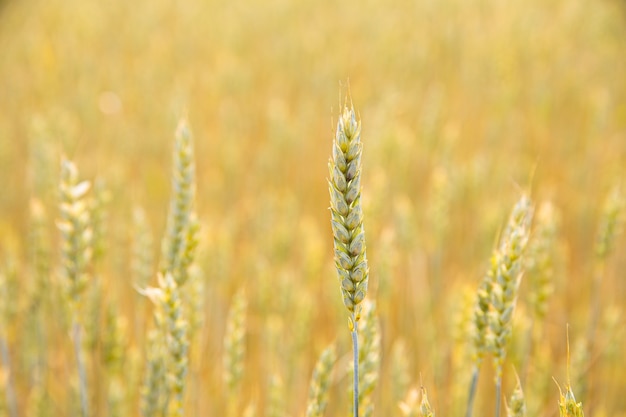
344, 186
320, 382
346, 212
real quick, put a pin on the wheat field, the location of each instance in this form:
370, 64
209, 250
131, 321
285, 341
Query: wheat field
169, 247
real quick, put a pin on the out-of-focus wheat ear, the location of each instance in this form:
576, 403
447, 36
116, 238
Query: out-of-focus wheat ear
77, 252
611, 225
480, 335
320, 382
181, 202
176, 342
505, 288
113, 351
425, 408
194, 299
539, 262
611, 222
568, 407
187, 250
410, 407
481, 311
516, 407
153, 390
497, 295
540, 258
369, 359
235, 349
76, 232
344, 185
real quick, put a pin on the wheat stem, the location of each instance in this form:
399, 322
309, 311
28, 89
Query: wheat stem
355, 381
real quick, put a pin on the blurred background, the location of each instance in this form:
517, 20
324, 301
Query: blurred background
464, 105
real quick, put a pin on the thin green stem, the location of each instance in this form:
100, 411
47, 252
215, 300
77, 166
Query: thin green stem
498, 395
472, 392
355, 352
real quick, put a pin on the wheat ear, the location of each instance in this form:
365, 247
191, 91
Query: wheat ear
611, 224
425, 408
344, 186
481, 327
235, 349
76, 233
318, 391
181, 204
568, 407
516, 407
369, 359
539, 265
152, 392
504, 291
497, 295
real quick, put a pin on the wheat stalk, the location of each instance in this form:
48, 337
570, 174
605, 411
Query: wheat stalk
344, 186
